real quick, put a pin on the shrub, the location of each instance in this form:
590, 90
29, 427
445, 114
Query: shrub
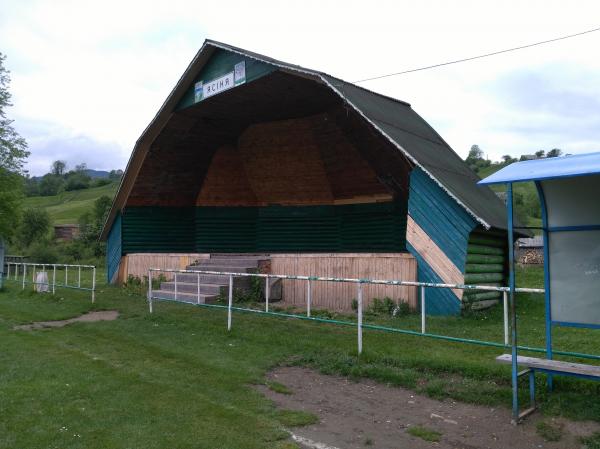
99, 182
35, 225
43, 252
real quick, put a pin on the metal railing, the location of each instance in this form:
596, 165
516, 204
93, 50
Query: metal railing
359, 283
19, 273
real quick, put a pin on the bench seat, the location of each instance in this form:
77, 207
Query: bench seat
553, 366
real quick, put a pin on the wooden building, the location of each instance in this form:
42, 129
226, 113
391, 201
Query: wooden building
250, 155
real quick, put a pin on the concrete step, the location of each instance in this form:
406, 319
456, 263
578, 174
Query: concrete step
192, 287
184, 297
229, 261
225, 268
217, 279
220, 279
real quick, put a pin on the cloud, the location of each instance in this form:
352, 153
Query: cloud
93, 74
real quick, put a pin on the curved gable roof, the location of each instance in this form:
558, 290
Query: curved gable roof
393, 118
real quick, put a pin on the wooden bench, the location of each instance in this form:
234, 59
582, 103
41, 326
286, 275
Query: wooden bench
533, 364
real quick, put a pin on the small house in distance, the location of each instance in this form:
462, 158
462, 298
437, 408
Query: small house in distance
66, 232
251, 158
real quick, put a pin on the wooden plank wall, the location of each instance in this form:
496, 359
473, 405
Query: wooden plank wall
438, 231
339, 296
137, 264
306, 161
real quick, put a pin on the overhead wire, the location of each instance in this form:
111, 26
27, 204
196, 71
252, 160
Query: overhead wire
471, 58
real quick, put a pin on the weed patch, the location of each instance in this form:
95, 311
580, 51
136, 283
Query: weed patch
549, 432
278, 387
425, 433
296, 418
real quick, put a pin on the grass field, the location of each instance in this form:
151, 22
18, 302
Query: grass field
178, 379
67, 207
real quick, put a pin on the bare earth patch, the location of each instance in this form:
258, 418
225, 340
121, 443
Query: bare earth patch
104, 315
366, 414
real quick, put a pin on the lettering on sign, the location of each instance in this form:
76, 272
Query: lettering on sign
204, 89
218, 85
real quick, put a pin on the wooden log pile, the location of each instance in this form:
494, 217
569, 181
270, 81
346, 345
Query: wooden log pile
486, 259
530, 256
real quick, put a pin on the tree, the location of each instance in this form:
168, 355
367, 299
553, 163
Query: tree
540, 154
13, 153
115, 175
35, 225
508, 159
51, 185
554, 152
58, 168
475, 153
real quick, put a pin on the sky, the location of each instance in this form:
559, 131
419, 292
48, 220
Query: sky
88, 76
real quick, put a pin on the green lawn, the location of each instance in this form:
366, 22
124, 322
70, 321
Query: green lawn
178, 379
67, 207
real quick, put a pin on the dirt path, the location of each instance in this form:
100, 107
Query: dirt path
369, 415
104, 315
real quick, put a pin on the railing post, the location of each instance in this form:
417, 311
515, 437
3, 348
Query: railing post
66, 275
198, 297
267, 293
360, 310
79, 276
93, 284
33, 280
8, 271
24, 274
175, 276
505, 305
308, 298
150, 290
230, 302
53, 279
423, 309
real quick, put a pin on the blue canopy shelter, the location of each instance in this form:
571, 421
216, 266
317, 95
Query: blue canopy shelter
569, 191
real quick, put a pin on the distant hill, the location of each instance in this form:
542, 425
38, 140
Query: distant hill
67, 207
96, 173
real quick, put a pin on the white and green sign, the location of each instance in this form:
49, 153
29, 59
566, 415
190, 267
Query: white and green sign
205, 89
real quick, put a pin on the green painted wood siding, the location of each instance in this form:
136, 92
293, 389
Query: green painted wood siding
221, 63
113, 248
379, 227
158, 229
449, 226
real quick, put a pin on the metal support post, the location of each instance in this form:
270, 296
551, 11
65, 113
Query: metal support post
150, 290
423, 309
308, 298
175, 276
360, 317
198, 289
513, 308
267, 293
93, 284
505, 309
230, 302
